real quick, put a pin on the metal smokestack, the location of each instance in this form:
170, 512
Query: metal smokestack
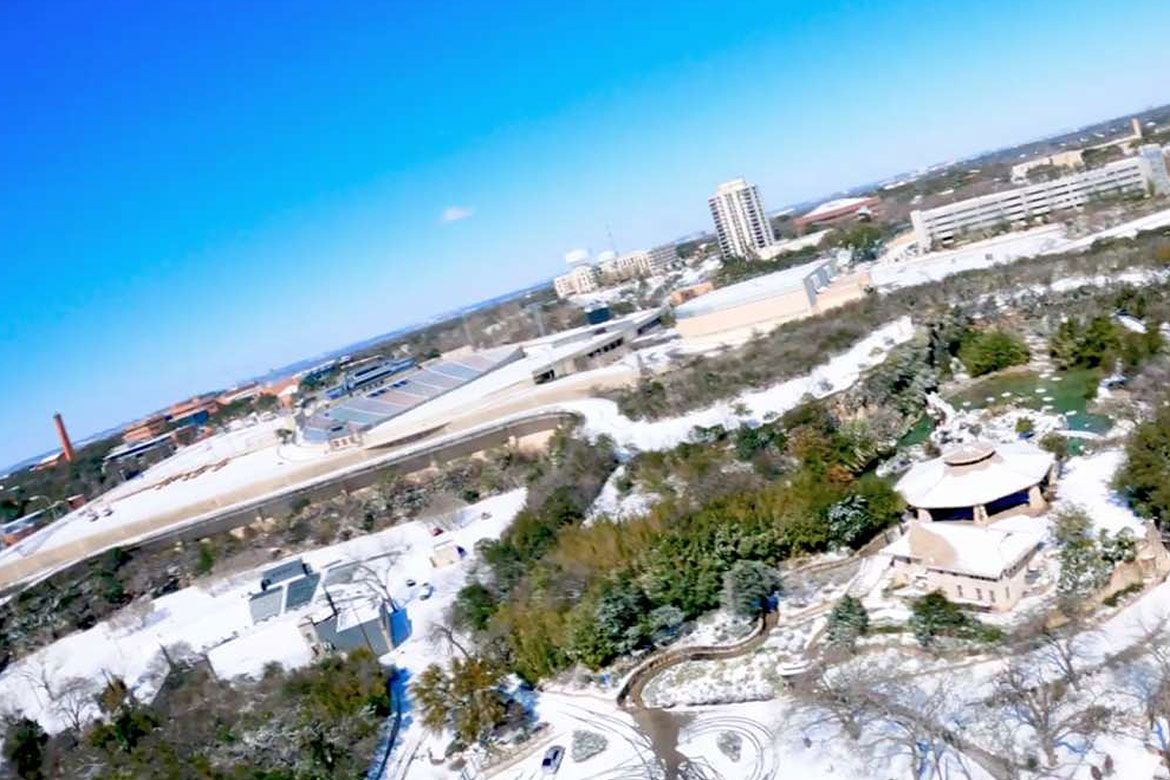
63, 435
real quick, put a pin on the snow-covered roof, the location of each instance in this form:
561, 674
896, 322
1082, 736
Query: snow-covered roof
966, 548
751, 290
974, 474
834, 206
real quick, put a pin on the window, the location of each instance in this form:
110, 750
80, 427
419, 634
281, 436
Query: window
991, 595
979, 594
1007, 592
959, 590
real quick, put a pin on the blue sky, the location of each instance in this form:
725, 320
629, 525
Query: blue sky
191, 193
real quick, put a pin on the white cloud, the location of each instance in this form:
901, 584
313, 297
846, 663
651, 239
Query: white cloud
456, 213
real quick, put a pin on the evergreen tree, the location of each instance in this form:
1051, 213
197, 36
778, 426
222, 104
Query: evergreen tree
664, 623
1084, 568
849, 520
847, 622
1144, 478
24, 748
747, 586
934, 615
992, 350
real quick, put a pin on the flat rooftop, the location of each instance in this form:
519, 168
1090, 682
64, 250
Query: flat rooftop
751, 290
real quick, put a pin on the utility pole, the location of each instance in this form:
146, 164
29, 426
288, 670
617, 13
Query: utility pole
612, 243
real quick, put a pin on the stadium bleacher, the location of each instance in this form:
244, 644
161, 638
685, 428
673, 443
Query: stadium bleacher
417, 385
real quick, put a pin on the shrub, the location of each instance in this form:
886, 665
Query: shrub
983, 352
1056, 444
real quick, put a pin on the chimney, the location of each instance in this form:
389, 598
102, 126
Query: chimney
63, 435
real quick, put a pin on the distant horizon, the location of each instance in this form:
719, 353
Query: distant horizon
350, 170
446, 313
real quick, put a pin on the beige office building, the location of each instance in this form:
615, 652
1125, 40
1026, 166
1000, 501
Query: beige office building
582, 279
740, 222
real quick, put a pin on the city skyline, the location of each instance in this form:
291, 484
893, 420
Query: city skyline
132, 296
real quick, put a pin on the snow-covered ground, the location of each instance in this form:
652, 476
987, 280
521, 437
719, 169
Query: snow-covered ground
934, 266
611, 503
602, 416
208, 470
213, 618
1085, 483
1008, 248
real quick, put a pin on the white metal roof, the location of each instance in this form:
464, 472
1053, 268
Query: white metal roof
834, 205
965, 548
751, 290
974, 474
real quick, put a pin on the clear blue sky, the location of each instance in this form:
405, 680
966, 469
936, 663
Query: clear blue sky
191, 193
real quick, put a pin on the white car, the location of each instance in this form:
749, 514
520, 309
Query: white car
552, 760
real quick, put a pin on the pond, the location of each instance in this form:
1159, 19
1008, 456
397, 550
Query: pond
1068, 393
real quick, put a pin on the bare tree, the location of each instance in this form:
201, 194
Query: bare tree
1146, 681
838, 696
39, 673
1064, 651
440, 631
1027, 697
886, 716
76, 701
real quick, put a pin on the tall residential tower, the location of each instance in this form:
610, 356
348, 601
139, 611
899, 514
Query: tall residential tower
740, 222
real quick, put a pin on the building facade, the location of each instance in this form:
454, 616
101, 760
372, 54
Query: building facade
740, 222
764, 302
1155, 160
661, 258
582, 279
1137, 175
623, 267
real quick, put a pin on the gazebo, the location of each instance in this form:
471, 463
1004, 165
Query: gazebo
979, 482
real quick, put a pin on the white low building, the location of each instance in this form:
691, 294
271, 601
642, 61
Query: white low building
958, 541
980, 482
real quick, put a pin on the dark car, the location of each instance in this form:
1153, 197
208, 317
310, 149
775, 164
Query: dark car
552, 760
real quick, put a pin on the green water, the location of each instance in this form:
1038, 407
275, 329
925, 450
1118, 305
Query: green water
918, 433
1067, 391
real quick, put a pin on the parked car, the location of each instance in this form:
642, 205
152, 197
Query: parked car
436, 531
410, 583
552, 760
426, 591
